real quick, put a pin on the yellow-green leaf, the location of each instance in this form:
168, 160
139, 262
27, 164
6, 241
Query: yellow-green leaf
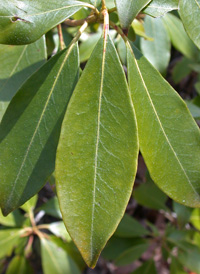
169, 137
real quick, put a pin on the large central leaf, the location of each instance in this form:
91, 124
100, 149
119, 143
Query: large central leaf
169, 137
30, 129
97, 153
23, 22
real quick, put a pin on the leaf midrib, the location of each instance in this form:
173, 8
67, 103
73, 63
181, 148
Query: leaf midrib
161, 126
98, 138
38, 124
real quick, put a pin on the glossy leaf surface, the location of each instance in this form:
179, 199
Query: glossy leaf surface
169, 137
17, 63
56, 259
23, 22
157, 8
128, 10
158, 51
97, 153
14, 219
30, 129
190, 15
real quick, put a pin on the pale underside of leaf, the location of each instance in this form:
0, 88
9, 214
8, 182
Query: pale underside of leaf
170, 163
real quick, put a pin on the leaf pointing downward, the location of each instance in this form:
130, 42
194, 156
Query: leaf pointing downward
30, 129
97, 153
169, 137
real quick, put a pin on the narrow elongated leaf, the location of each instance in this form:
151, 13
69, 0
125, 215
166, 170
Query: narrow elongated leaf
147, 268
129, 228
128, 10
158, 51
157, 8
169, 137
23, 22
20, 265
177, 33
30, 129
97, 153
190, 15
17, 63
56, 259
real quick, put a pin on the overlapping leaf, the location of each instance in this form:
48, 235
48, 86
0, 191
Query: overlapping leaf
190, 15
128, 10
169, 137
23, 22
158, 8
177, 33
17, 63
156, 51
56, 259
97, 153
30, 129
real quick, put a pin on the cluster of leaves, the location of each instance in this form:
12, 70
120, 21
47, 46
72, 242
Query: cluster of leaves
92, 126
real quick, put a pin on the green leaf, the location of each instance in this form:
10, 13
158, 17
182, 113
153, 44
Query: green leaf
56, 260
194, 109
51, 207
147, 268
132, 254
190, 15
8, 241
176, 267
189, 255
14, 219
128, 10
158, 51
195, 218
177, 33
97, 153
17, 63
181, 70
23, 22
183, 214
30, 204
149, 195
88, 46
169, 146
30, 129
19, 265
129, 227
158, 8
58, 229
